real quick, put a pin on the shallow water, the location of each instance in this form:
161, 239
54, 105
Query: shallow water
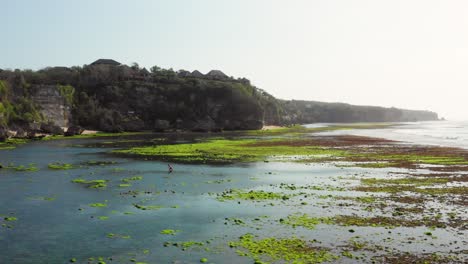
54, 231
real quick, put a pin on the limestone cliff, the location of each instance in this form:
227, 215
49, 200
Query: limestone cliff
52, 104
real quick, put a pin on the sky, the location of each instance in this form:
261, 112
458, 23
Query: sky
409, 54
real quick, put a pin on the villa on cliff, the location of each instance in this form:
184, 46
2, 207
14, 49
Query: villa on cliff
108, 62
130, 73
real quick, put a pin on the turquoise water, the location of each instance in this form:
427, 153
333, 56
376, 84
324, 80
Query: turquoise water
65, 226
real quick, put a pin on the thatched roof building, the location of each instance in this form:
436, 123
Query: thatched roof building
106, 62
197, 74
184, 73
144, 72
217, 74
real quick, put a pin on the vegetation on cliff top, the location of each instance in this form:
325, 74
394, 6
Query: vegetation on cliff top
116, 98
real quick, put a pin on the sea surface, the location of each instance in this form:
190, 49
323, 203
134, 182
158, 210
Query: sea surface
438, 133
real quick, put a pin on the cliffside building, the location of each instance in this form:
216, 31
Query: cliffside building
217, 75
197, 74
184, 73
108, 62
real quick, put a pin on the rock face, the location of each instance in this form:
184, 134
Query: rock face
51, 128
52, 105
3, 134
73, 131
161, 125
133, 124
205, 125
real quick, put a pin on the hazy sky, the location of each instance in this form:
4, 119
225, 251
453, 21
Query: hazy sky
409, 53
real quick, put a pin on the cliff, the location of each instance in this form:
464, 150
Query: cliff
52, 104
305, 112
109, 96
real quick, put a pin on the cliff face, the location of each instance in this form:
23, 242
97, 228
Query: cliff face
52, 105
197, 105
303, 112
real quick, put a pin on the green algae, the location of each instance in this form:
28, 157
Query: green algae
123, 185
147, 207
169, 232
98, 163
103, 217
459, 190
383, 221
96, 135
222, 151
134, 178
42, 198
12, 143
112, 235
298, 129
235, 194
425, 258
405, 181
304, 221
60, 166
98, 205
25, 168
93, 184
289, 250
218, 181
380, 159
10, 219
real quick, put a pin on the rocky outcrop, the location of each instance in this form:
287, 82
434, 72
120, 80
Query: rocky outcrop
206, 124
74, 131
161, 125
3, 134
51, 128
52, 104
133, 124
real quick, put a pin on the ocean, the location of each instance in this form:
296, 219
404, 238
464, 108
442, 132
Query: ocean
438, 133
